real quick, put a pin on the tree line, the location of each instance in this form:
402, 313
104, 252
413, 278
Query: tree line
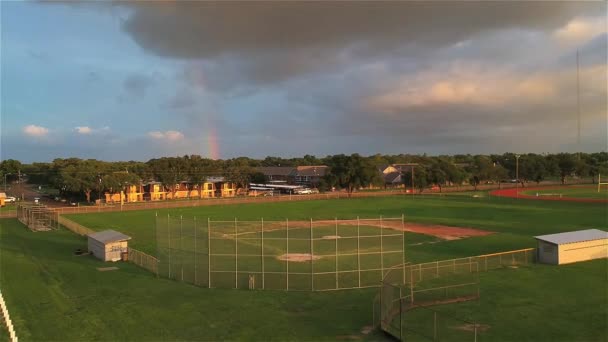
74, 177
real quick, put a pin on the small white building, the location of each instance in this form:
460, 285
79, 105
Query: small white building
108, 245
569, 247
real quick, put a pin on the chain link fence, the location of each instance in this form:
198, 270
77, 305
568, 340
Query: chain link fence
402, 307
37, 217
279, 255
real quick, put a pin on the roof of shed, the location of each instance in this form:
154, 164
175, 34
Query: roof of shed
108, 236
577, 236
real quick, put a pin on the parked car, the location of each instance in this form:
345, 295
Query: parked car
303, 191
10, 199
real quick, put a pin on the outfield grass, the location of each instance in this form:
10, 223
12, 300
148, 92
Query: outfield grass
516, 220
575, 192
534, 303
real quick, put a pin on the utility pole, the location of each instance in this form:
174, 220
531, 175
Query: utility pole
578, 106
517, 175
413, 187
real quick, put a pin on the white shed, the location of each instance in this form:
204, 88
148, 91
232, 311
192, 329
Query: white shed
565, 248
108, 245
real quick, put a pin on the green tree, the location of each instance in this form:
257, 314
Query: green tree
420, 178
350, 172
117, 181
239, 172
82, 176
566, 164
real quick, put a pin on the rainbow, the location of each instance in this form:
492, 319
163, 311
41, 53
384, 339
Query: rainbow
212, 143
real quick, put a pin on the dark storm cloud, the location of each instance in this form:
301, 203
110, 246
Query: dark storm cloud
210, 29
272, 41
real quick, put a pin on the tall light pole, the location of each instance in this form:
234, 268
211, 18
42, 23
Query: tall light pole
517, 175
413, 187
6, 174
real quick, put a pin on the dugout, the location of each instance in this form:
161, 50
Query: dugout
569, 247
108, 245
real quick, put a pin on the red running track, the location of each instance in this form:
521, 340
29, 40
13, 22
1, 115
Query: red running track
513, 193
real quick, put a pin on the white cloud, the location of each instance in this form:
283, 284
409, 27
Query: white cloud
471, 86
86, 130
35, 131
580, 30
83, 130
170, 136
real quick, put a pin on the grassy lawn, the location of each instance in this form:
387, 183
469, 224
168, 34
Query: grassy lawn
576, 192
65, 298
525, 304
10, 207
71, 300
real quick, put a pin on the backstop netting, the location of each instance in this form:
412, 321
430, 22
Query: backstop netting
37, 217
280, 255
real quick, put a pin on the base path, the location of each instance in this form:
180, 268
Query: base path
518, 193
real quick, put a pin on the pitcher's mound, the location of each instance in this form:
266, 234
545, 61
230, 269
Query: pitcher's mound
298, 257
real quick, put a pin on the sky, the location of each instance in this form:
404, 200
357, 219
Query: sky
138, 80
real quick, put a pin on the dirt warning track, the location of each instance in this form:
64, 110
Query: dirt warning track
518, 193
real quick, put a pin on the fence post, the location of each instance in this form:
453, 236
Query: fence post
287, 259
411, 285
336, 238
195, 278
358, 250
312, 259
263, 276
208, 252
403, 246
236, 258
169, 232
475, 332
381, 247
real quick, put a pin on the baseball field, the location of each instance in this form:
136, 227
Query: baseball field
53, 294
